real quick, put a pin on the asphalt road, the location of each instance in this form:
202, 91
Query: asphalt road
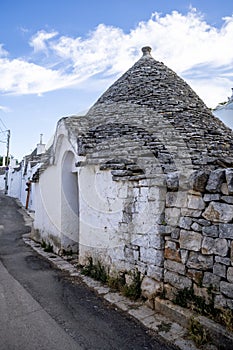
41, 308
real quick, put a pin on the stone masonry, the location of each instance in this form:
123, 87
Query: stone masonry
199, 246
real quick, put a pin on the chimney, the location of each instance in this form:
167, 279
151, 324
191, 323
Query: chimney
40, 146
146, 50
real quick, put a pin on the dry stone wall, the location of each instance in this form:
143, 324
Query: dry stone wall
199, 240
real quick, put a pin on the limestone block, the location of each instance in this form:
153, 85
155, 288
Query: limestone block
177, 280
220, 270
227, 289
150, 288
222, 260
219, 212
195, 202
140, 240
151, 256
184, 255
190, 240
231, 252
141, 267
171, 291
172, 216
216, 179
224, 189
210, 279
209, 197
164, 230
185, 222
175, 234
230, 304
171, 245
172, 254
226, 231
155, 241
218, 246
220, 302
198, 180
196, 227
156, 193
211, 231
155, 272
230, 275
196, 275
193, 213
174, 266
199, 261
172, 181
227, 199
176, 199
229, 178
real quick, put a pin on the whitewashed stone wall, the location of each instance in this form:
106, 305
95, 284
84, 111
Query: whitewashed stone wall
119, 222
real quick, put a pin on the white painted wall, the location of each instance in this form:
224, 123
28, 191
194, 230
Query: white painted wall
100, 211
14, 183
2, 182
56, 194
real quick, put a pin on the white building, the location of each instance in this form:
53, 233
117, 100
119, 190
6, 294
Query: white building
224, 111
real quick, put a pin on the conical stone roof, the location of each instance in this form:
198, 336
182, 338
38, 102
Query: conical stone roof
150, 83
150, 109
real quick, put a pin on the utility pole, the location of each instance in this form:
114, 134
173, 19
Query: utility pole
7, 160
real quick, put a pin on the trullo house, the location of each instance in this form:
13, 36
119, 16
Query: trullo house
143, 181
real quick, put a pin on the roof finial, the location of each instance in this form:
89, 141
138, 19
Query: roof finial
146, 50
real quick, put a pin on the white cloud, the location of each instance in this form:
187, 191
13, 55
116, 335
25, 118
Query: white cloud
200, 53
40, 39
21, 77
4, 109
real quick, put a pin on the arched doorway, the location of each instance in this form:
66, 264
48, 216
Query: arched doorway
69, 205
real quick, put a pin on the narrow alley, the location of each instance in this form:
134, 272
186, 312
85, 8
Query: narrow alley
40, 307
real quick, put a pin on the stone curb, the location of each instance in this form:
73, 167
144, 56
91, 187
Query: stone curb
169, 321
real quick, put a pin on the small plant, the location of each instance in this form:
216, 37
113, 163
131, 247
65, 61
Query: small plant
197, 332
48, 248
116, 283
96, 271
164, 327
67, 252
133, 290
226, 318
43, 244
163, 293
184, 296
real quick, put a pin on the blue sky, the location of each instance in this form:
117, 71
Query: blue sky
58, 57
